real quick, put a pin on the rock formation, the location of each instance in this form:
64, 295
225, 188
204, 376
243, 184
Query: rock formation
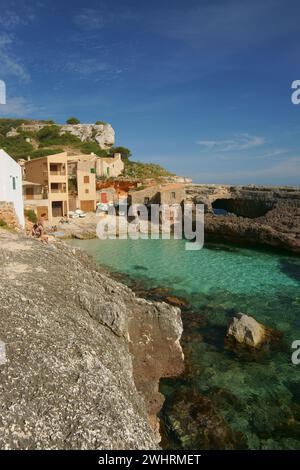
84, 354
256, 215
103, 134
246, 330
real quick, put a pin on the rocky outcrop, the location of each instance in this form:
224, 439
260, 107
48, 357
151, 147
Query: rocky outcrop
84, 354
247, 331
268, 216
103, 134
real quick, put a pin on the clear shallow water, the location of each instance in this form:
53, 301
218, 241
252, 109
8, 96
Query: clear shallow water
258, 395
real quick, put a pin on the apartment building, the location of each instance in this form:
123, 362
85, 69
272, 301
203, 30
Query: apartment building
51, 173
68, 182
82, 182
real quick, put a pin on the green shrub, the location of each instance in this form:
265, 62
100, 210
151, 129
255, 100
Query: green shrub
125, 152
72, 120
48, 133
17, 147
89, 147
144, 170
98, 123
31, 215
44, 152
3, 224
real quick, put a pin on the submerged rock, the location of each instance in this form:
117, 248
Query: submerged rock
246, 330
195, 423
178, 301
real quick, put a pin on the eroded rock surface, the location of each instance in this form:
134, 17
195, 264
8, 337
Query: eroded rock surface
103, 134
258, 215
84, 354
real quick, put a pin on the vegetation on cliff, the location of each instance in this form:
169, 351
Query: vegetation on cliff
49, 140
144, 170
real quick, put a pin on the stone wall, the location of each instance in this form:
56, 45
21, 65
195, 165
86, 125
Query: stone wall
8, 214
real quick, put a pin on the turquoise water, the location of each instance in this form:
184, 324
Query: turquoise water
258, 395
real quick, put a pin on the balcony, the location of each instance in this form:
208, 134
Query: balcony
58, 188
57, 173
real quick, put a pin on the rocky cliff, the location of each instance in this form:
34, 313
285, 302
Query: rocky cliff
84, 355
261, 215
103, 134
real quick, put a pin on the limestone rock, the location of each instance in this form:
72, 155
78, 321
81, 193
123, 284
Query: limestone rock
246, 330
257, 215
103, 134
84, 354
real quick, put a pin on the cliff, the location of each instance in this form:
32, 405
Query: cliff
84, 354
258, 215
103, 134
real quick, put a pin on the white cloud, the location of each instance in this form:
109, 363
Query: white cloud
10, 66
238, 143
17, 107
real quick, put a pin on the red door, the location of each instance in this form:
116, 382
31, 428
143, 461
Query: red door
104, 198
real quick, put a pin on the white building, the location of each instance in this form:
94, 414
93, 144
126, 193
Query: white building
11, 184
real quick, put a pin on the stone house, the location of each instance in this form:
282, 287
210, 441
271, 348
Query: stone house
173, 193
110, 167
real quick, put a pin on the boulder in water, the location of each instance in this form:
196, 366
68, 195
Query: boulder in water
246, 330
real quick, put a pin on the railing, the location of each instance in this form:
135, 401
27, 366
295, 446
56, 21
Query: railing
57, 173
64, 191
33, 197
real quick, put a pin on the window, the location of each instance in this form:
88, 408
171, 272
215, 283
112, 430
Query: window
86, 179
86, 191
29, 192
173, 195
14, 184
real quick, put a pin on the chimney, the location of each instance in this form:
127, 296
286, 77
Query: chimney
117, 156
28, 159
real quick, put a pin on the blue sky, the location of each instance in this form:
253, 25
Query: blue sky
202, 87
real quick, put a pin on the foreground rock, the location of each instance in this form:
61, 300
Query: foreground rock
84, 354
246, 330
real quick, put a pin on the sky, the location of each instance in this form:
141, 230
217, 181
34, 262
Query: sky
202, 87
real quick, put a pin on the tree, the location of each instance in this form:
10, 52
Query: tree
73, 120
98, 123
125, 152
48, 133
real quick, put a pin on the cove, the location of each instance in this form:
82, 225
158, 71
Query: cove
227, 398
